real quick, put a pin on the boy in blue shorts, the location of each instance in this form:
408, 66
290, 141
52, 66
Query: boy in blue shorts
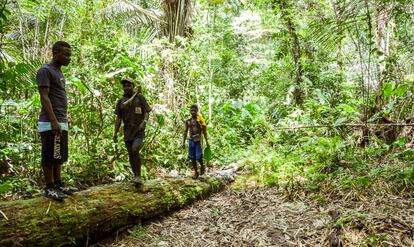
197, 127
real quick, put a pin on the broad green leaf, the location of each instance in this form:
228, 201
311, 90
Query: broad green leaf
347, 108
79, 85
400, 142
250, 108
401, 90
160, 120
207, 154
152, 70
4, 187
387, 89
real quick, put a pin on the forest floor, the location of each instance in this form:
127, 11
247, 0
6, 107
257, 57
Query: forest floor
268, 216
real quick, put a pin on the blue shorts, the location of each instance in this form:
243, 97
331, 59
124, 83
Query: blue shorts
194, 150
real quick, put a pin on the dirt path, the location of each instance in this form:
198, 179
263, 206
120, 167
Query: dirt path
264, 217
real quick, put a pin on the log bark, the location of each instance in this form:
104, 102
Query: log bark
88, 215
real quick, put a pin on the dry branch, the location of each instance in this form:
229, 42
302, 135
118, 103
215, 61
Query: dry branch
344, 125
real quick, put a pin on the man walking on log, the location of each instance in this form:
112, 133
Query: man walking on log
197, 127
53, 121
133, 110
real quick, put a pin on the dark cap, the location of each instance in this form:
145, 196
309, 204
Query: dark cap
127, 80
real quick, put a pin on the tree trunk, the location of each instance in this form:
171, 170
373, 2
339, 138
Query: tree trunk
93, 213
382, 38
286, 9
337, 9
178, 17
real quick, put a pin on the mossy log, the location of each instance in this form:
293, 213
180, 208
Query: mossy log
88, 215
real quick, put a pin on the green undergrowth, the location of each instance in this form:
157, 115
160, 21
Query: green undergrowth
327, 164
95, 160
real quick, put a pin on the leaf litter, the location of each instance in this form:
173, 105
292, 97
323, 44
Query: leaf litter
263, 216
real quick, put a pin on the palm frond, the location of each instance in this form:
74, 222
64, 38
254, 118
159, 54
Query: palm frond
328, 32
145, 33
350, 14
127, 10
5, 57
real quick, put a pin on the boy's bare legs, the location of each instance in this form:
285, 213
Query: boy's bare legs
194, 164
202, 168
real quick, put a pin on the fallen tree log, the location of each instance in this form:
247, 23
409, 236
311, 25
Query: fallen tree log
88, 215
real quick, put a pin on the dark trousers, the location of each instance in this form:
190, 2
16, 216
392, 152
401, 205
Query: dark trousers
133, 148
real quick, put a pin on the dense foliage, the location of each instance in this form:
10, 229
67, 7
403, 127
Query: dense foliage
252, 66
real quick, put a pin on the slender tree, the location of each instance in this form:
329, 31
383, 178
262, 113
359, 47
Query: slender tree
286, 11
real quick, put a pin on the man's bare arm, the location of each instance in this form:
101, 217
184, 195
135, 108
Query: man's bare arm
116, 129
205, 135
45, 100
185, 134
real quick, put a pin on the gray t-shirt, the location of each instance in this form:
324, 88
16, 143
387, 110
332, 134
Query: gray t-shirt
51, 77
